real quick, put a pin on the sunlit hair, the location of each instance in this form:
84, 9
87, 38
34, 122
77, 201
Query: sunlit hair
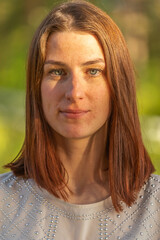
129, 163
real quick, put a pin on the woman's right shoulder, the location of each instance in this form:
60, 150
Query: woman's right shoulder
10, 184
6, 178
7, 182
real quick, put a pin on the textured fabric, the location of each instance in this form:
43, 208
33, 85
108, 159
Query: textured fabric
28, 212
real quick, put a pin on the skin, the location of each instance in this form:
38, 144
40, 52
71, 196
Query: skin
76, 104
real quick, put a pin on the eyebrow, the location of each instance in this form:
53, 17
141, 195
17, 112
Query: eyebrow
97, 60
55, 63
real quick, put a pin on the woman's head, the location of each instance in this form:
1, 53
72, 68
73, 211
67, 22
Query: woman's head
129, 164
74, 89
80, 16
85, 17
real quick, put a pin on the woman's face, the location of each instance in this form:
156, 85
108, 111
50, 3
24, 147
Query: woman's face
75, 94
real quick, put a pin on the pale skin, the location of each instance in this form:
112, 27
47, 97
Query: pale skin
76, 104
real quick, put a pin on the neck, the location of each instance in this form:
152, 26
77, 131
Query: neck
85, 162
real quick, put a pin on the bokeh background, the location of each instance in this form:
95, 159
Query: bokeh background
139, 20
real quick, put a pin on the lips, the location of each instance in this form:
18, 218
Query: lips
73, 113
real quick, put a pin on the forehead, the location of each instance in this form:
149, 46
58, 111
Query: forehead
73, 44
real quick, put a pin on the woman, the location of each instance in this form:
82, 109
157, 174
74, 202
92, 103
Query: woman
83, 171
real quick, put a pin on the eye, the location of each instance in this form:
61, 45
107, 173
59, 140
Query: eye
94, 71
57, 72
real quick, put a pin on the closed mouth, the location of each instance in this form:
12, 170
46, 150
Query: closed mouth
73, 113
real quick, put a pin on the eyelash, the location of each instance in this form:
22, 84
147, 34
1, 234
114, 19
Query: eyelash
98, 71
53, 71
63, 73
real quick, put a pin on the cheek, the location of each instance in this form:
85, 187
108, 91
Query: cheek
45, 93
102, 98
48, 100
102, 104
49, 94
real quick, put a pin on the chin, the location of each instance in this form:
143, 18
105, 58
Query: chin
74, 134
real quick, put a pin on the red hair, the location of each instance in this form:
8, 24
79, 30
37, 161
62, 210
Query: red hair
129, 163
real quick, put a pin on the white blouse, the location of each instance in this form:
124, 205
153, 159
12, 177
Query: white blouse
30, 212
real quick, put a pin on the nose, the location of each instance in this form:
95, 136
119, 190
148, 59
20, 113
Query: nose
75, 88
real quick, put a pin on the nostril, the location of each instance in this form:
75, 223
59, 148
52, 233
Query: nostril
75, 92
71, 95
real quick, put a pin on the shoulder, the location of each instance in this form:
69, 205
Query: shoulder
153, 184
9, 181
12, 186
150, 193
6, 179
9, 186
6, 176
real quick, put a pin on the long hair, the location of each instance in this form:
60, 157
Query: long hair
128, 161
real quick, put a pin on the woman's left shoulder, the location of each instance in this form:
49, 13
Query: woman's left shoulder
153, 182
152, 188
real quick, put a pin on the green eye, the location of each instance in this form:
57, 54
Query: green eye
94, 71
57, 72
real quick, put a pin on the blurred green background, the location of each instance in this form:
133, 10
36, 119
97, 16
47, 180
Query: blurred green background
139, 20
